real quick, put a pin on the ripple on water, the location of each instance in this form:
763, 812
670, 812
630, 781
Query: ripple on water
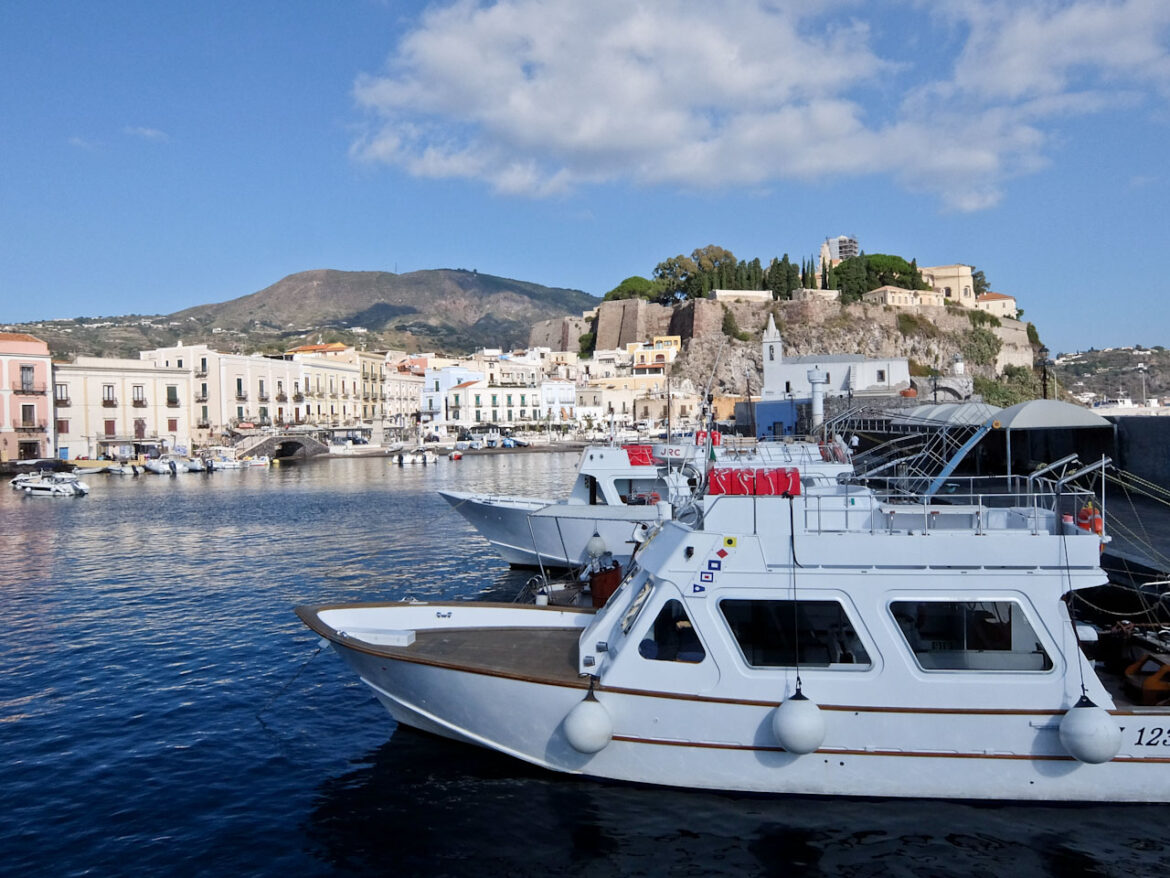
163, 711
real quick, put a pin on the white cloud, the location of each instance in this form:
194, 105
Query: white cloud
146, 133
536, 97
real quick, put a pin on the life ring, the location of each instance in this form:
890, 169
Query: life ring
1090, 518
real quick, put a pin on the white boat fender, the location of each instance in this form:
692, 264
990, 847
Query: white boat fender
588, 726
595, 548
1089, 733
798, 724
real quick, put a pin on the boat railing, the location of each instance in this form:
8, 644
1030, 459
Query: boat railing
966, 505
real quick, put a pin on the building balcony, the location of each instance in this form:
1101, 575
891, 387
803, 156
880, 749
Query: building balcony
200, 373
203, 423
173, 404
263, 397
138, 403
242, 396
31, 427
282, 397
26, 389
63, 403
109, 403
201, 397
298, 397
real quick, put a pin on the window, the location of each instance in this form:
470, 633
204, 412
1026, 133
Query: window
478, 415
28, 415
26, 378
495, 399
881, 375
107, 393
172, 394
109, 428
783, 633
62, 427
172, 425
61, 392
771, 352
672, 638
179, 363
970, 636
477, 403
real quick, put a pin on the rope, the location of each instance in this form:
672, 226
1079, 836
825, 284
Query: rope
284, 688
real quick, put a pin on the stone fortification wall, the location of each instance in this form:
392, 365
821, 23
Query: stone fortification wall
560, 334
1016, 350
630, 320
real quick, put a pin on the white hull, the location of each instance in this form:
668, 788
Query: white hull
688, 740
530, 531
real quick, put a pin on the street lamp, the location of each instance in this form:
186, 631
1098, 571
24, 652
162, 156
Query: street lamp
1043, 354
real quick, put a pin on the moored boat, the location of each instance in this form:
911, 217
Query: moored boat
621, 490
50, 484
823, 639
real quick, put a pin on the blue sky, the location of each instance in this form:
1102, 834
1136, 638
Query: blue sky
157, 156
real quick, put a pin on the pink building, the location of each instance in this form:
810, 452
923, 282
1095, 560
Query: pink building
25, 401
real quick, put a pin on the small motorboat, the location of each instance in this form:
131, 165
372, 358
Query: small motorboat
51, 484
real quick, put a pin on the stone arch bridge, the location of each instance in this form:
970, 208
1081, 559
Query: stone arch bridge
282, 447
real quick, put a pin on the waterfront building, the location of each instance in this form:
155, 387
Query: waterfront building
25, 408
437, 384
231, 391
403, 391
121, 408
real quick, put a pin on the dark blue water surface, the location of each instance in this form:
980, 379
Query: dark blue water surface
162, 711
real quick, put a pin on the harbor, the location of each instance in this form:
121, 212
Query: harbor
163, 706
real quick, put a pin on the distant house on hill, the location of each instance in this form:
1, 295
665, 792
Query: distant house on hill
898, 297
997, 304
811, 295
741, 295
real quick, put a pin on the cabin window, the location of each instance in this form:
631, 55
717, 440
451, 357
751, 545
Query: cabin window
672, 637
970, 636
784, 633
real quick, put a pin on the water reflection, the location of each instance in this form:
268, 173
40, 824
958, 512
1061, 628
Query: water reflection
419, 804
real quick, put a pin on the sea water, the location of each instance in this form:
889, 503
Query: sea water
163, 711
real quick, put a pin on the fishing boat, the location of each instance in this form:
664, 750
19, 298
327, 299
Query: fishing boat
620, 490
50, 484
807, 639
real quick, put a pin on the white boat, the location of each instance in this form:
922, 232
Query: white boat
124, 469
419, 455
621, 490
829, 642
50, 484
163, 466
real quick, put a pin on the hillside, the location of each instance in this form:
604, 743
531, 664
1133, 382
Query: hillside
447, 310
1108, 374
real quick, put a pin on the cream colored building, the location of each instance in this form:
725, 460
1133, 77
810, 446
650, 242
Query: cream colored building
121, 408
740, 295
806, 295
403, 394
998, 304
954, 282
897, 297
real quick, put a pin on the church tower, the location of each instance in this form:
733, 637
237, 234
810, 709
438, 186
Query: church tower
773, 360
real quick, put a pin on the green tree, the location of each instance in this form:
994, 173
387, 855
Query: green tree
979, 283
635, 287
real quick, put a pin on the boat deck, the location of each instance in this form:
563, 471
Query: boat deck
537, 654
